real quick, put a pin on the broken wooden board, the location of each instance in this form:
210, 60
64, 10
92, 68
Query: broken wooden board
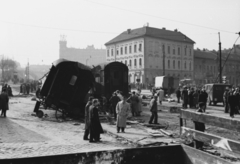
227, 123
196, 156
174, 109
230, 145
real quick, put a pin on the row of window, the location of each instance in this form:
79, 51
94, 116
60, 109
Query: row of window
179, 65
126, 50
135, 61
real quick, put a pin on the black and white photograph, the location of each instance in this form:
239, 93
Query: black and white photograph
120, 82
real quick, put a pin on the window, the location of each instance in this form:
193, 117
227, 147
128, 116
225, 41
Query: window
117, 52
121, 50
173, 51
135, 62
140, 47
130, 49
108, 52
135, 48
190, 51
185, 51
168, 49
178, 64
112, 52
190, 66
185, 65
140, 62
125, 50
179, 51
125, 62
173, 64
168, 63
130, 63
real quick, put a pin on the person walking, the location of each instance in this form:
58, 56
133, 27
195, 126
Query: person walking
160, 95
154, 110
113, 101
86, 133
203, 96
4, 102
95, 128
178, 94
122, 110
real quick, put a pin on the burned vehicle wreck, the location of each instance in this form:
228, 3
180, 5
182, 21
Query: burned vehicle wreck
65, 88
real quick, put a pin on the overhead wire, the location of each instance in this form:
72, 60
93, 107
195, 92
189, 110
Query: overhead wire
172, 20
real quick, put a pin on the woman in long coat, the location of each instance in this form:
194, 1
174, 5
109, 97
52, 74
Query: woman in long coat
122, 110
4, 102
95, 127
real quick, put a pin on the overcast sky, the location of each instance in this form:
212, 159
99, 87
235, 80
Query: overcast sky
31, 29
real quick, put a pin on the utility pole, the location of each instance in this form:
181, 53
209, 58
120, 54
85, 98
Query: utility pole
27, 72
220, 60
163, 52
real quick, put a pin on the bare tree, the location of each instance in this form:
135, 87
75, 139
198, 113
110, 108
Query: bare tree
8, 66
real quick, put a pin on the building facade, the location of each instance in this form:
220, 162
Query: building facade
151, 52
89, 56
206, 67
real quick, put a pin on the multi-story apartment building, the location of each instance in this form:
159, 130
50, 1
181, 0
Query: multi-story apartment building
151, 52
206, 67
89, 56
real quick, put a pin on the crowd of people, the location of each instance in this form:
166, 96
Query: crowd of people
26, 88
191, 97
231, 98
120, 107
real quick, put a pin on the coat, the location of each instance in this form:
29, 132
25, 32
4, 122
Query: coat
4, 101
122, 110
94, 122
160, 95
134, 103
153, 105
89, 103
139, 104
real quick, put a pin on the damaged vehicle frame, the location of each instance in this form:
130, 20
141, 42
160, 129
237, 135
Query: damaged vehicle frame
65, 89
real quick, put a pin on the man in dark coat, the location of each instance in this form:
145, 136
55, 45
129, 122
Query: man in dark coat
199, 126
190, 98
95, 127
113, 101
232, 102
203, 96
86, 133
225, 100
4, 102
9, 91
184, 96
178, 94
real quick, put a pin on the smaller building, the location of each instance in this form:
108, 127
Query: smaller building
206, 67
88, 56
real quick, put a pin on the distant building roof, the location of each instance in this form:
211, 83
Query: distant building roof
151, 32
214, 55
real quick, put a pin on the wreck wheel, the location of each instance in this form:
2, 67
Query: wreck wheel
60, 114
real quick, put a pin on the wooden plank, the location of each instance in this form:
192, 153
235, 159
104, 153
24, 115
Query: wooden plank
227, 123
210, 138
194, 156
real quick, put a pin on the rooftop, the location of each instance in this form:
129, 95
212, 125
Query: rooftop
151, 32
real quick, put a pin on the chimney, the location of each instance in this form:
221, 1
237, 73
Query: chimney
164, 28
176, 30
128, 31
